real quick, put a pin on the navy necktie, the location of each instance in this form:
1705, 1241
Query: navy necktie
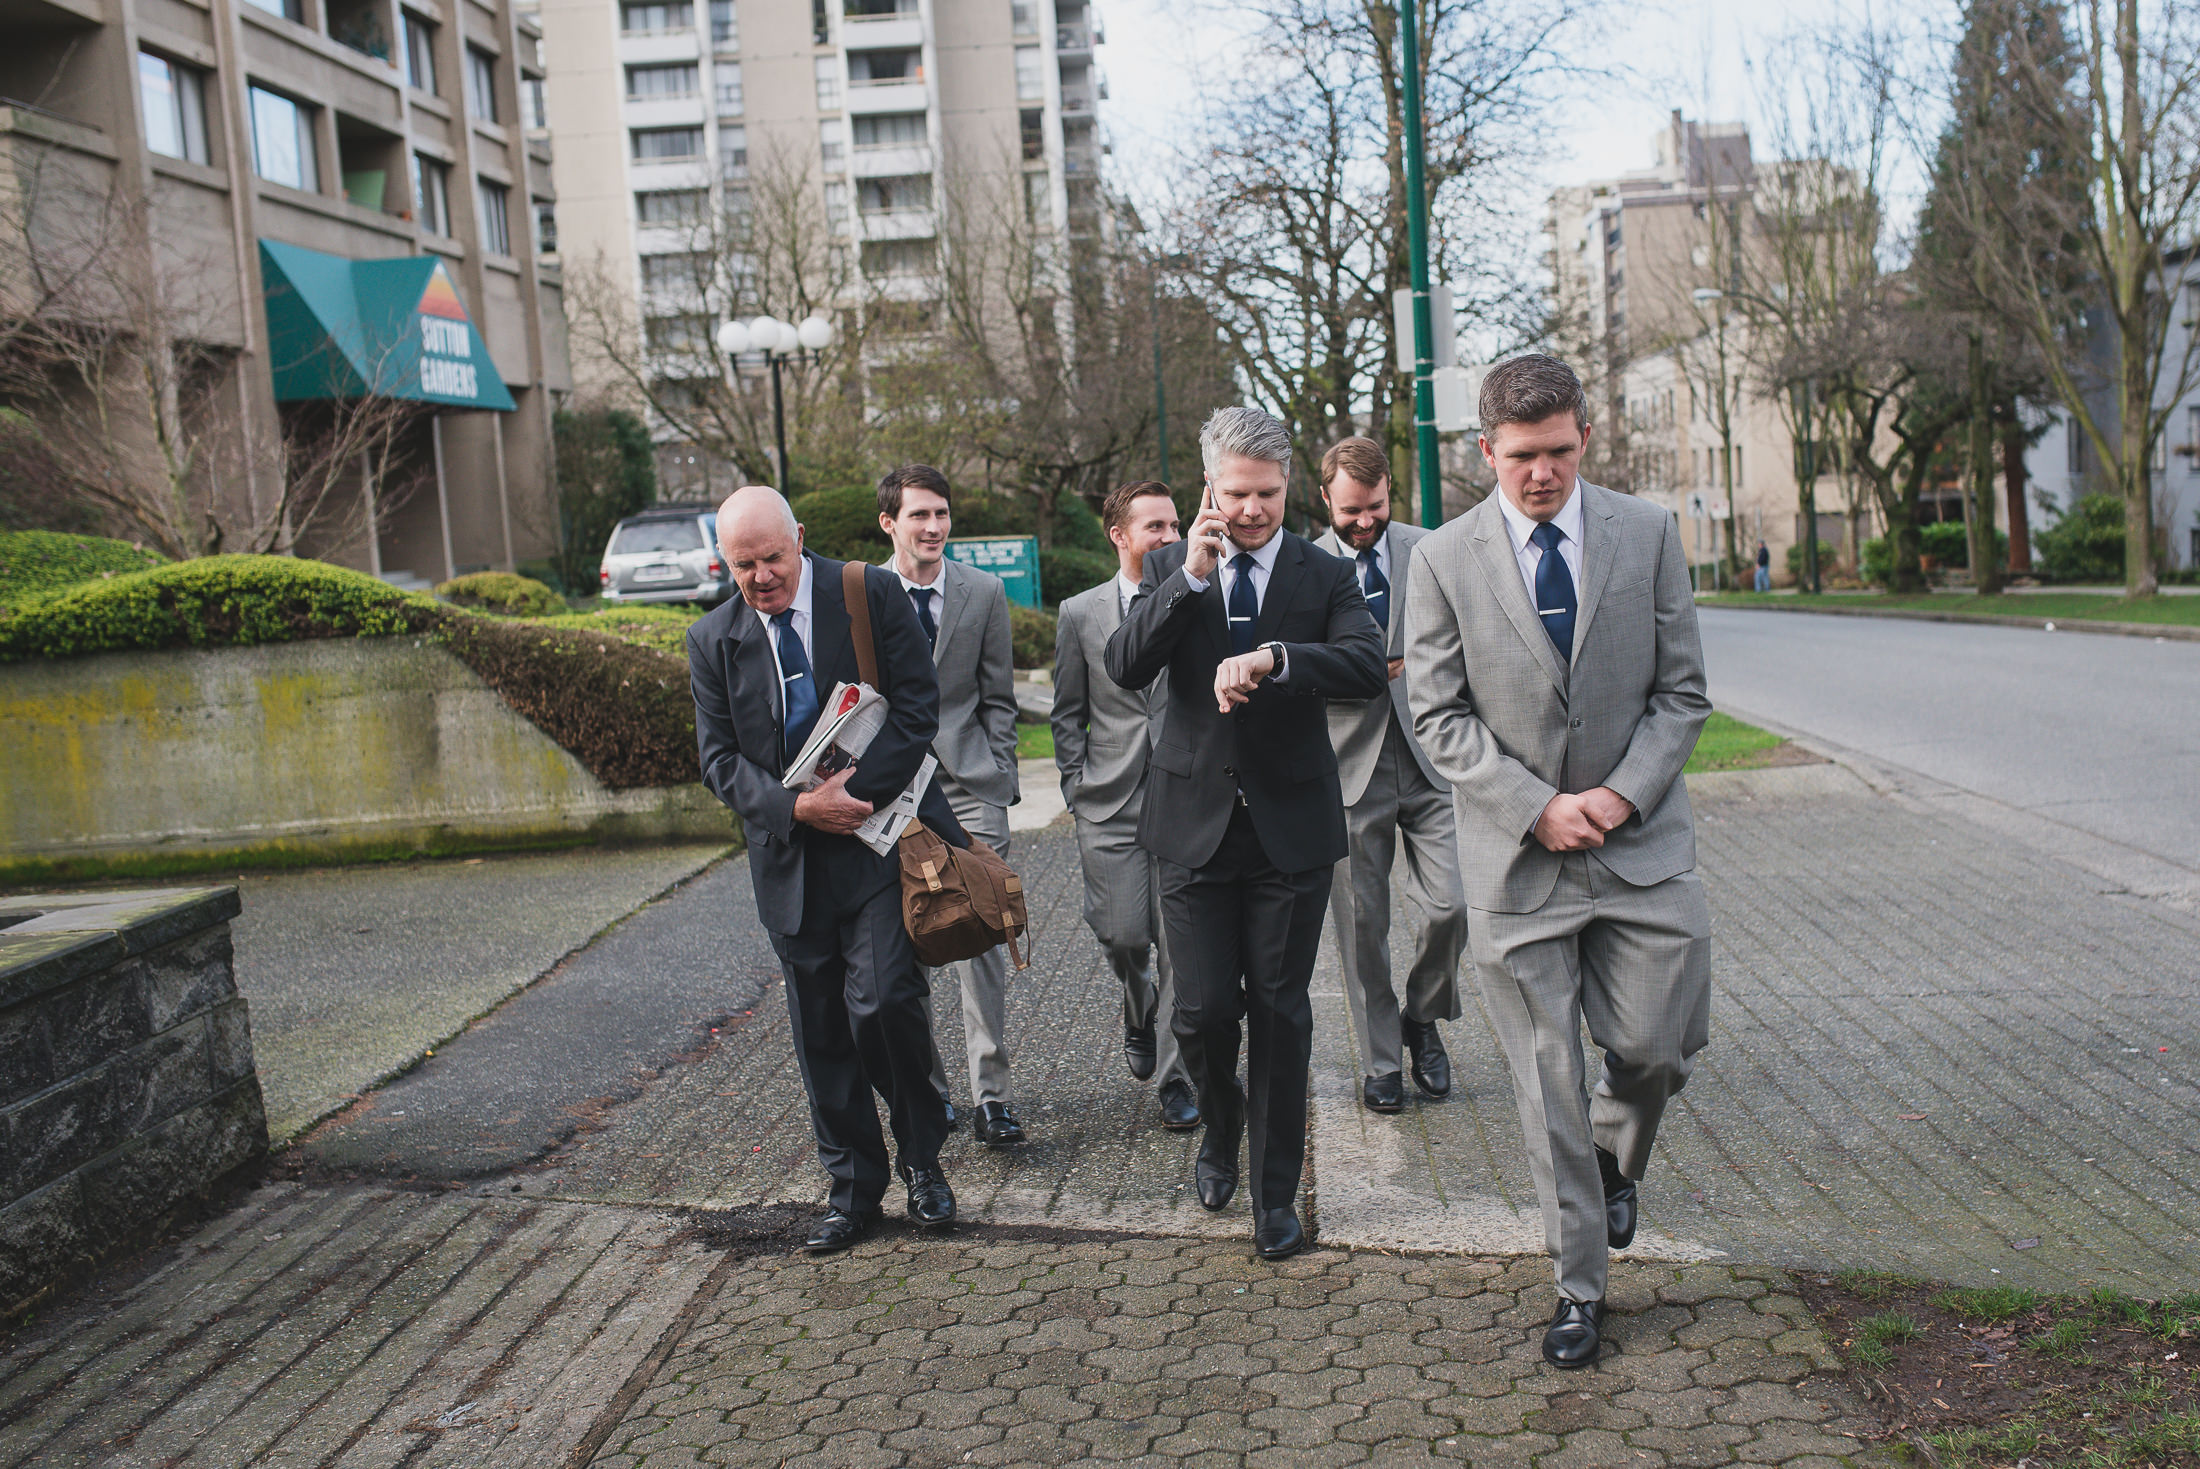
1554, 590
922, 596
798, 686
1376, 586
1244, 604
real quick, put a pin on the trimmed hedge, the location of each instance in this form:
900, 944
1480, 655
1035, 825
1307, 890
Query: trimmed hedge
1064, 572
37, 563
663, 627
502, 594
1030, 637
842, 524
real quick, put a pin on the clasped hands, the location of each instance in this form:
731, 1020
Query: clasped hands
830, 808
1578, 823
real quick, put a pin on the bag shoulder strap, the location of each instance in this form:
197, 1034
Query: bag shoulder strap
858, 598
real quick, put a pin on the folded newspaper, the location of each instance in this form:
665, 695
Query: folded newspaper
854, 715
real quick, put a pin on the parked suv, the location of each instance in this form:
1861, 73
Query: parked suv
668, 553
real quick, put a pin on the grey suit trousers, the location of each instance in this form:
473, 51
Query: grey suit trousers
1399, 803
1635, 963
1123, 909
983, 981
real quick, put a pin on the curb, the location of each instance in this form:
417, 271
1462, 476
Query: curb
2166, 632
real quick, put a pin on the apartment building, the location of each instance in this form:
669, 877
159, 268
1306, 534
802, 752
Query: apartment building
665, 112
338, 179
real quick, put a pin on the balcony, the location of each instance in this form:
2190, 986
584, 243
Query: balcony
890, 161
1073, 40
887, 94
881, 32
899, 224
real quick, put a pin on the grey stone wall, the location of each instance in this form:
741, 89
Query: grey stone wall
126, 1083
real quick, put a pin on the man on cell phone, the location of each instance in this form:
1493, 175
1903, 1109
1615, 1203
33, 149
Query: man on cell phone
1256, 629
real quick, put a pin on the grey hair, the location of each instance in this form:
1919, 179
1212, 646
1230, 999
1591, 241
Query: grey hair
1245, 432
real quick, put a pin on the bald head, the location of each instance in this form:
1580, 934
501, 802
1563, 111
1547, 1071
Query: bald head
762, 544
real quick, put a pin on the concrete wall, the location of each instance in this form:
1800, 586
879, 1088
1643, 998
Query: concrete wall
296, 752
126, 1082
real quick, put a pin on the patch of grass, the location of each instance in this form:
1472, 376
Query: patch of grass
1995, 1303
1728, 744
2063, 1341
1872, 1285
2118, 1306
1035, 742
2147, 1390
2042, 606
2178, 1433
1875, 1333
1960, 1448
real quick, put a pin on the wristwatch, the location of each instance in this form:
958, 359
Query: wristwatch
1275, 652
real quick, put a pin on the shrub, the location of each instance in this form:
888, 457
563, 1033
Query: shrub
2086, 544
607, 471
34, 563
1948, 542
1064, 572
212, 602
1031, 637
1077, 526
994, 515
503, 594
663, 627
843, 524
1878, 561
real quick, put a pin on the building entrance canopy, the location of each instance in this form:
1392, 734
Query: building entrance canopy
342, 328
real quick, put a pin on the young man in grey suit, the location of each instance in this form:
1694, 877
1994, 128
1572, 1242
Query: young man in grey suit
1390, 791
1256, 629
1102, 742
1557, 682
964, 612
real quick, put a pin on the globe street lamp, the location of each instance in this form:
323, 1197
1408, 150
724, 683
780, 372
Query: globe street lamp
776, 341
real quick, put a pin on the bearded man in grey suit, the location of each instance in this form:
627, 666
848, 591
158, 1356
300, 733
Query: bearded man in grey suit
964, 611
1557, 681
1391, 792
1103, 739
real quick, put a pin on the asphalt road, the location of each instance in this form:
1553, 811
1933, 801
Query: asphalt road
2099, 733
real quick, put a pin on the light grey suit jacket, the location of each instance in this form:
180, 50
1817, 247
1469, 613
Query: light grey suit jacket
1103, 732
1510, 725
1357, 726
977, 669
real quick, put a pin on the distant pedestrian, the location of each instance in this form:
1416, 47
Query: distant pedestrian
1557, 681
761, 666
1764, 567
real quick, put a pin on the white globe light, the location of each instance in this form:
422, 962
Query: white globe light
815, 333
733, 339
764, 333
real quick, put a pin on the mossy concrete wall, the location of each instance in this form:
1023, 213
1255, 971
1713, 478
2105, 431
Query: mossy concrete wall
292, 753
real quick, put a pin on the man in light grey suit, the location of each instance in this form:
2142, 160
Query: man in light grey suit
1557, 682
964, 611
1103, 739
1390, 791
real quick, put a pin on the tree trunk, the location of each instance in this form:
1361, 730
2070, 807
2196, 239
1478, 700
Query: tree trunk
1979, 521
2013, 478
2135, 451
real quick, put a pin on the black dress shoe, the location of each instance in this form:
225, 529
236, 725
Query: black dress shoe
1280, 1235
1385, 1093
1138, 1050
1619, 1202
1216, 1172
931, 1201
1431, 1062
953, 1121
1572, 1339
996, 1126
1179, 1108
839, 1229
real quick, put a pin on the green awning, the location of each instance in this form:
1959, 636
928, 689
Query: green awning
342, 328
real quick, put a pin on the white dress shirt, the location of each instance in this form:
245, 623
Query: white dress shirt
1125, 590
1528, 555
937, 587
803, 623
1264, 566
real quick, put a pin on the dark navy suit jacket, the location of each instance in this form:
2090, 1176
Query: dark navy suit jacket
805, 877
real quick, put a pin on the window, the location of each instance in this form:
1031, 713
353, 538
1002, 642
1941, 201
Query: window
830, 145
656, 15
2192, 303
726, 79
645, 82
828, 84
1038, 200
1024, 16
419, 52
836, 207
897, 257
282, 141
655, 145
481, 84
2158, 456
1031, 122
1031, 80
886, 66
287, 9
546, 227
890, 130
432, 194
687, 333
733, 152
2192, 436
535, 102
2073, 447
174, 98
895, 195
656, 537
671, 206
496, 218
724, 33
685, 272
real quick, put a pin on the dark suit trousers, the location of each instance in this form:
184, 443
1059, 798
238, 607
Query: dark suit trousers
1243, 936
861, 1013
